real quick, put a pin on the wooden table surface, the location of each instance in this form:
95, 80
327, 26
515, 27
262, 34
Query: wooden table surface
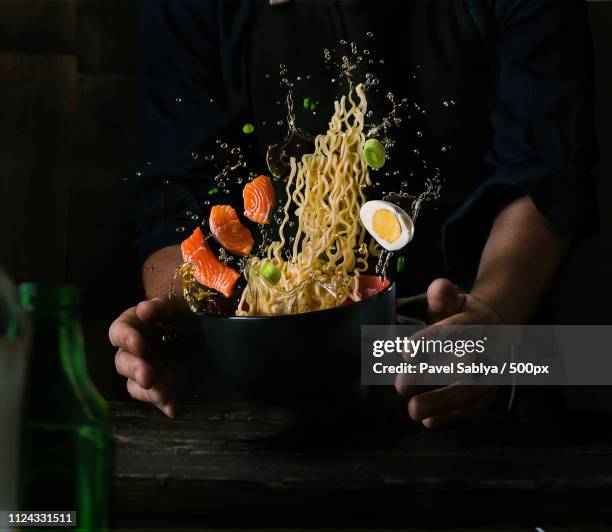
227, 464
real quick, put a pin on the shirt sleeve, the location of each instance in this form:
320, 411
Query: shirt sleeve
543, 139
182, 111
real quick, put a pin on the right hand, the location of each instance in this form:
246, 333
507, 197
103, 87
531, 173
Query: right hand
137, 335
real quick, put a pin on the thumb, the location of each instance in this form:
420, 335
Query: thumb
159, 309
443, 299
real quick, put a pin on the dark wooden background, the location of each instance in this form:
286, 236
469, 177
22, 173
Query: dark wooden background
67, 107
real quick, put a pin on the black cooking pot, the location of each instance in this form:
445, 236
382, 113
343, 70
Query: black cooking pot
298, 360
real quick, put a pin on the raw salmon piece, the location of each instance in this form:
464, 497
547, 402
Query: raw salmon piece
259, 199
208, 269
370, 285
228, 231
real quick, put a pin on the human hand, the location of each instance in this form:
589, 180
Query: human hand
448, 405
138, 336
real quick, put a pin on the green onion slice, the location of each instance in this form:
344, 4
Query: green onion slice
374, 153
400, 264
270, 272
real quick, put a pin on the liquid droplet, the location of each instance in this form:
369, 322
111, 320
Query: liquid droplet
179, 100
180, 229
195, 156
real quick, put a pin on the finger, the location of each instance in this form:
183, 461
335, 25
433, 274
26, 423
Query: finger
159, 309
124, 332
135, 368
445, 399
411, 390
405, 385
443, 299
158, 395
457, 416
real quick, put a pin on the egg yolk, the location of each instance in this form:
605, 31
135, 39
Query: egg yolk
386, 225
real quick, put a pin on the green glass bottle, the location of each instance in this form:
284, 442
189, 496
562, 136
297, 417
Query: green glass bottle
13, 370
68, 455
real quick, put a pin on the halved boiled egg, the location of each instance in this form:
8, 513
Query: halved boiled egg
387, 223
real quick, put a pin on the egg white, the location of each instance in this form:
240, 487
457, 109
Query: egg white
406, 225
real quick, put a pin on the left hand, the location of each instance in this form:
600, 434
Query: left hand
448, 405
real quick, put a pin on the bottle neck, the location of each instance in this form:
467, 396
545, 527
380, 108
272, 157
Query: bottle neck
53, 314
59, 380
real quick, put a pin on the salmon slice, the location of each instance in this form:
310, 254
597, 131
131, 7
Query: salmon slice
228, 231
208, 269
369, 285
259, 199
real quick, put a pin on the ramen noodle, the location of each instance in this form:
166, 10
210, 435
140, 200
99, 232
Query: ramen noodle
320, 268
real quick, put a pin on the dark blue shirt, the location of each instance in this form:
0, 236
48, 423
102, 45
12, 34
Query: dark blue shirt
194, 61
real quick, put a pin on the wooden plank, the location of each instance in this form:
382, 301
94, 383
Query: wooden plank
100, 244
106, 36
101, 247
37, 101
38, 26
229, 464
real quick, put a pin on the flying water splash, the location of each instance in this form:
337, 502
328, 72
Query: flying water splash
351, 66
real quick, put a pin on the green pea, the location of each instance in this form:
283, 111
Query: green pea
270, 272
400, 265
374, 153
310, 104
212, 191
247, 129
